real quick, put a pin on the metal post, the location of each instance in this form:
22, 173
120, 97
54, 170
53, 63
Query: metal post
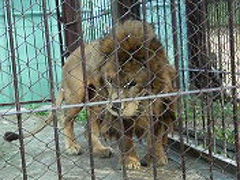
116, 19
234, 82
60, 30
16, 88
127, 9
177, 65
78, 18
152, 148
52, 88
208, 96
70, 10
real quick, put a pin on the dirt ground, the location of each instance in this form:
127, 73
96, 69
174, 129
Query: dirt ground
41, 158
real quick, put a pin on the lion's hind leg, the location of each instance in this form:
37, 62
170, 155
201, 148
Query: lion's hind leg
72, 146
70, 97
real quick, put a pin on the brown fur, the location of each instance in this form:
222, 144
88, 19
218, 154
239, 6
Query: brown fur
136, 53
134, 57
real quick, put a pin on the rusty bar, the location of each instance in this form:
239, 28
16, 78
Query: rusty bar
195, 122
234, 82
151, 128
25, 102
196, 41
177, 64
158, 21
52, 88
127, 9
71, 25
16, 88
59, 30
114, 7
84, 61
165, 25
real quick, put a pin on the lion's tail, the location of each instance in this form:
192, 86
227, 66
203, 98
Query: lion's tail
11, 136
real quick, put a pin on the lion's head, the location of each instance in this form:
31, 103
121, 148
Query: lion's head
135, 62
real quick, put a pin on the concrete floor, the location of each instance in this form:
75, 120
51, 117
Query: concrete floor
41, 161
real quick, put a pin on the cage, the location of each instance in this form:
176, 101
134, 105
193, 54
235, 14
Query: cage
199, 38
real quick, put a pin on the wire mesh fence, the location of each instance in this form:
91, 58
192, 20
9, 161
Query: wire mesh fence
119, 89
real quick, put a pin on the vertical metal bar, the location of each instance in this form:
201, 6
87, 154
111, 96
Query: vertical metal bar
52, 88
177, 64
194, 123
92, 29
209, 138
16, 87
115, 20
84, 64
165, 26
212, 63
151, 130
151, 14
158, 20
220, 67
60, 30
185, 99
35, 42
208, 99
234, 82
30, 83
71, 26
203, 119
127, 9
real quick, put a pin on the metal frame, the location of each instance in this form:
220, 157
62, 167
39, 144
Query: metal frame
203, 68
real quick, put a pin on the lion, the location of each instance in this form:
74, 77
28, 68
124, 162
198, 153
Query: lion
144, 70
130, 63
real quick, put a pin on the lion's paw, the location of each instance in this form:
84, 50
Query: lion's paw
104, 152
132, 163
163, 160
75, 149
160, 161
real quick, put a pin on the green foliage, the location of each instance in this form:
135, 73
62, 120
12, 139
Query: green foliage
194, 108
226, 134
37, 106
44, 113
83, 116
218, 13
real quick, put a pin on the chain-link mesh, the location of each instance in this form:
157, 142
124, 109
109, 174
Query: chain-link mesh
119, 89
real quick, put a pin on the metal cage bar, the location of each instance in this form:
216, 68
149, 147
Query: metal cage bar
16, 89
52, 89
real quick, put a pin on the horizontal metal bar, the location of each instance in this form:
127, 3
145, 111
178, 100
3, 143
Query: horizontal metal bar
140, 98
206, 70
25, 102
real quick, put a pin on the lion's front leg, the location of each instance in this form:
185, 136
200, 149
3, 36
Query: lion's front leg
127, 147
156, 147
98, 148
